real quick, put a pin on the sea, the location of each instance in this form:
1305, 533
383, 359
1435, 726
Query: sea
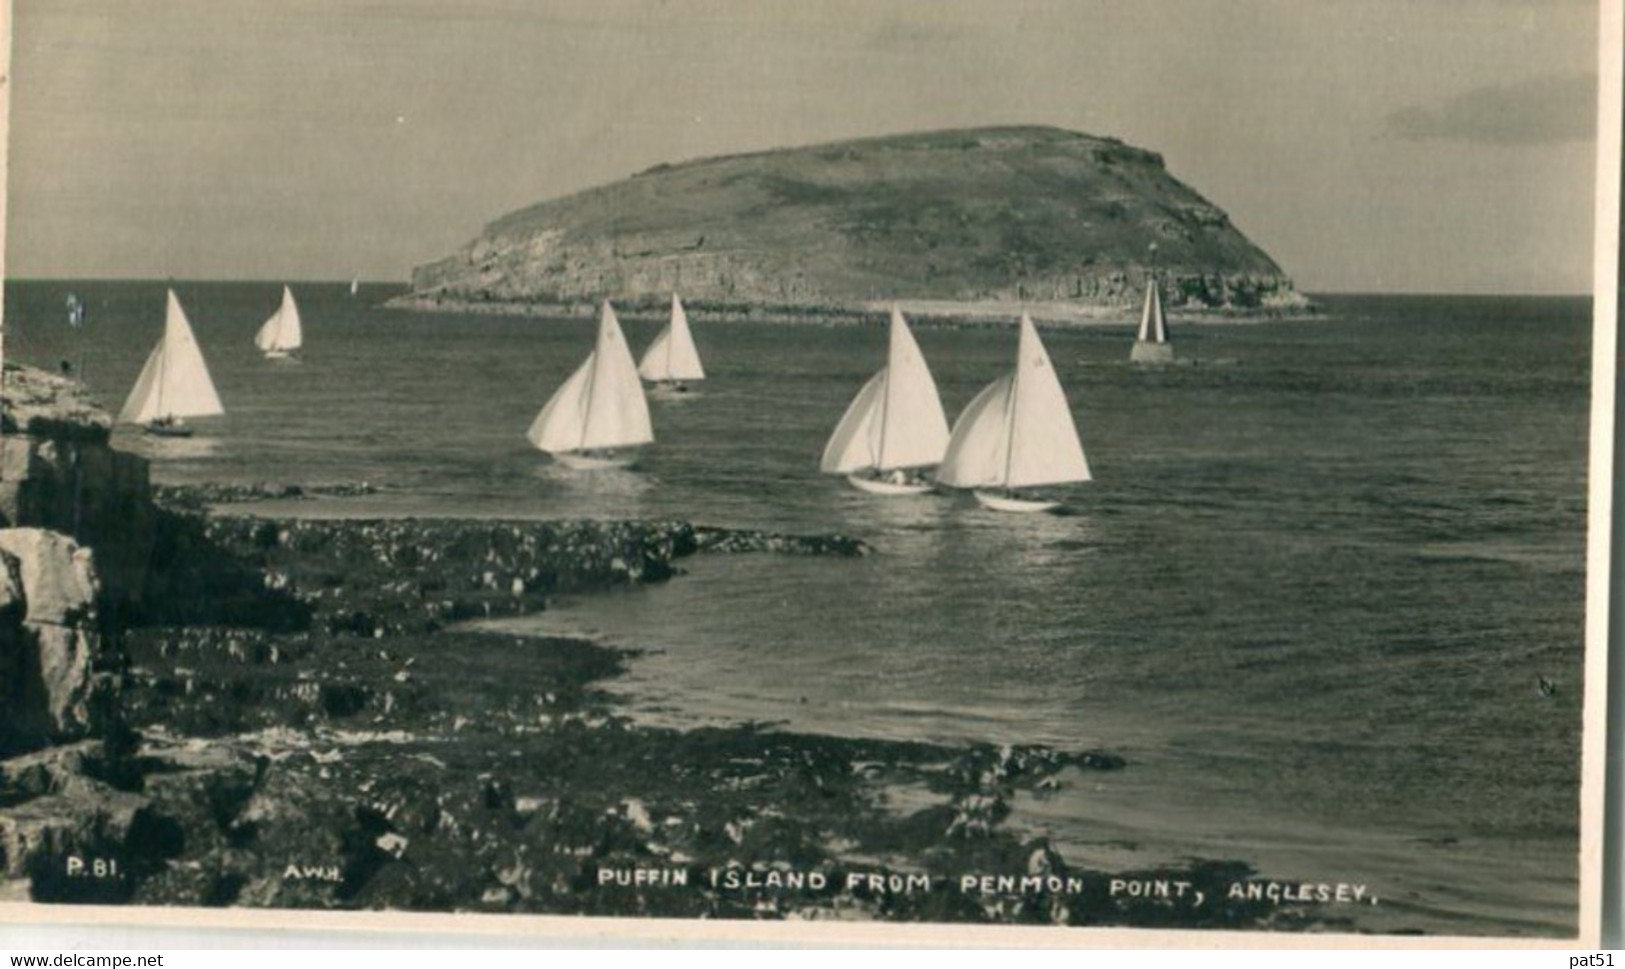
1309, 596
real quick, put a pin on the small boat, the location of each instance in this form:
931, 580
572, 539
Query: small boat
355, 286
599, 415
894, 428
672, 359
282, 333
1151, 343
174, 383
1017, 433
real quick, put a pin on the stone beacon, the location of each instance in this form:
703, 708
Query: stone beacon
1151, 343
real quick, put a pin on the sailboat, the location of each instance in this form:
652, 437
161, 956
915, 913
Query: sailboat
174, 384
672, 358
894, 426
599, 413
1017, 433
1151, 343
282, 333
355, 286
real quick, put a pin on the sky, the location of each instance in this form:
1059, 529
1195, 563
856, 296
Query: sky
1367, 145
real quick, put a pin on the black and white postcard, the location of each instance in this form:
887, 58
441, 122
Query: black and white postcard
824, 471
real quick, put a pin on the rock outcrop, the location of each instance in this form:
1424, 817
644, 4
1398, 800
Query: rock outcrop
388, 577
58, 471
51, 639
990, 214
76, 531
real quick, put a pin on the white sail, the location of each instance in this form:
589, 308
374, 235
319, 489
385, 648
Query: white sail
601, 406
913, 427
672, 355
1018, 432
896, 420
282, 332
1044, 444
852, 446
977, 450
355, 286
1153, 328
558, 426
175, 380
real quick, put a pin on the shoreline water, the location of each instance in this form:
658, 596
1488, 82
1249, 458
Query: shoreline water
309, 724
1121, 823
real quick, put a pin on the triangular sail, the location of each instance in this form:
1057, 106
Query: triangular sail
282, 332
601, 406
977, 449
672, 355
896, 420
1018, 432
617, 412
852, 446
913, 428
1044, 445
142, 404
1153, 326
175, 380
558, 426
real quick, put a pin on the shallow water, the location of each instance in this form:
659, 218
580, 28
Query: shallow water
1308, 596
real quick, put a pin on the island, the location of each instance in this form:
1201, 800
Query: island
959, 223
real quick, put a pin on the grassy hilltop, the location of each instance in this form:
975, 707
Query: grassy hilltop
977, 215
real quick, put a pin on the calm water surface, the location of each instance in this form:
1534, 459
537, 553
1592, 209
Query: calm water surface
1308, 596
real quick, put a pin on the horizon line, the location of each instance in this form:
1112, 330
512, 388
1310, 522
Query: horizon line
345, 281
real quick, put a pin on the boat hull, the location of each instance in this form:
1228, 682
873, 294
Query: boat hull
280, 355
1007, 503
168, 430
669, 390
583, 461
890, 489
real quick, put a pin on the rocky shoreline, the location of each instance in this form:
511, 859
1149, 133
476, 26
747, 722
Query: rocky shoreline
928, 313
296, 713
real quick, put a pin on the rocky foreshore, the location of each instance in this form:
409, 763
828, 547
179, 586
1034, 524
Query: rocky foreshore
295, 714
308, 726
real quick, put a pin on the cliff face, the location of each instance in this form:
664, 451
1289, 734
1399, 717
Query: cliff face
72, 511
51, 641
1009, 214
58, 471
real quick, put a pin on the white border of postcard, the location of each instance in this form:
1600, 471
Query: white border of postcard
415, 929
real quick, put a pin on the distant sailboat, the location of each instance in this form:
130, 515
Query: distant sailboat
355, 286
599, 413
282, 333
894, 425
672, 358
1151, 344
174, 384
1017, 433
